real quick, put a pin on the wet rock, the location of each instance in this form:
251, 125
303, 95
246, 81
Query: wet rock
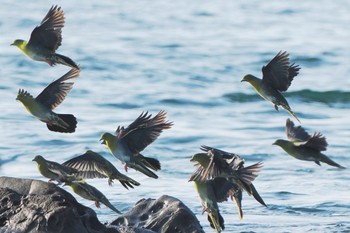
166, 214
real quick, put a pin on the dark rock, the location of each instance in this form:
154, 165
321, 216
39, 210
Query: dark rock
166, 214
34, 206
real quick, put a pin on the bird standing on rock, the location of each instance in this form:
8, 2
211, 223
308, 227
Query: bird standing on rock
92, 165
278, 75
303, 146
41, 107
91, 193
45, 39
127, 143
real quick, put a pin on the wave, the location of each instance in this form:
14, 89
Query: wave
307, 96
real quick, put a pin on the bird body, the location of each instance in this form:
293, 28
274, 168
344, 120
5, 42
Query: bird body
41, 106
45, 39
127, 143
93, 165
54, 171
277, 77
303, 146
91, 193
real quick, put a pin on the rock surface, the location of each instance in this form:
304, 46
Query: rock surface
166, 214
34, 206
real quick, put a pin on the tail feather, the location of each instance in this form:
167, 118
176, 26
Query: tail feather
151, 163
60, 59
143, 169
330, 162
67, 118
256, 195
216, 221
289, 110
109, 205
247, 175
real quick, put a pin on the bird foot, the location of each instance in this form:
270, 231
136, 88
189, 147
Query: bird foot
110, 182
97, 204
125, 167
276, 107
204, 209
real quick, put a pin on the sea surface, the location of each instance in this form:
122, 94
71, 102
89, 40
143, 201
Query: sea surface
188, 58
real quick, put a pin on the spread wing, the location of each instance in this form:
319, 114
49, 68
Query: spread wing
317, 141
89, 165
278, 73
296, 134
49, 33
60, 169
222, 187
55, 93
143, 131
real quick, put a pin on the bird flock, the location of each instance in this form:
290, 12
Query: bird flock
219, 175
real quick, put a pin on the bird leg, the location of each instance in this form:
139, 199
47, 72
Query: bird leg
276, 107
204, 209
126, 167
110, 182
97, 204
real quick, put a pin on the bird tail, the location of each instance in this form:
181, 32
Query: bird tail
109, 205
126, 181
289, 110
60, 59
328, 161
70, 121
248, 174
216, 220
142, 168
151, 163
256, 195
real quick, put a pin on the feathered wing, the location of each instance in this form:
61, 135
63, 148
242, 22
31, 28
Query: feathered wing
60, 170
317, 142
49, 33
278, 73
143, 131
55, 92
296, 134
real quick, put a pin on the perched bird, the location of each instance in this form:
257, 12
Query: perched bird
303, 146
41, 107
91, 193
45, 39
210, 193
217, 163
92, 165
127, 143
277, 77
55, 171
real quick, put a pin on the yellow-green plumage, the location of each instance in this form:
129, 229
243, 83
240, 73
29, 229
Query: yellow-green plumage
91, 193
45, 39
303, 146
278, 75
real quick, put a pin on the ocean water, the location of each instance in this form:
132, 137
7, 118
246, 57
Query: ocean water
187, 58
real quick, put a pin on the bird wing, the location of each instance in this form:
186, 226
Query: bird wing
89, 165
59, 169
317, 141
222, 187
296, 134
49, 33
56, 91
143, 131
278, 73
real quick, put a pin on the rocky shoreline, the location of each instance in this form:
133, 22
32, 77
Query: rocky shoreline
35, 206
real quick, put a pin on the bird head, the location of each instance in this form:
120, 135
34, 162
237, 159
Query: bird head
106, 137
248, 78
19, 43
201, 158
280, 142
38, 159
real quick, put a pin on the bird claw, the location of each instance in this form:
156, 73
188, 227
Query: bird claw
126, 168
110, 182
276, 107
204, 209
97, 204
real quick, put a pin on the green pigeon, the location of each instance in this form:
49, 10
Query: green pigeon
45, 39
41, 107
304, 146
217, 163
278, 75
92, 165
55, 171
127, 143
91, 193
210, 193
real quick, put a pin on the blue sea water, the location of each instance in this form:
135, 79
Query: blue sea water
188, 57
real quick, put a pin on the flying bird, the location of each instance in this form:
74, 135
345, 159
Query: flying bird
41, 107
92, 165
304, 146
278, 75
45, 39
55, 171
91, 193
127, 143
218, 163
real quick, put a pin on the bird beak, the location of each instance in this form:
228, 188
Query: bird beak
274, 143
12, 44
243, 80
103, 141
33, 159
